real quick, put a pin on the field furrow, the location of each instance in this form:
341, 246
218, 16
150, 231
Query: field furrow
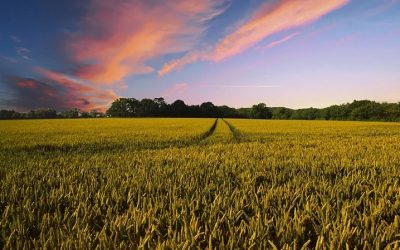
221, 134
237, 135
70, 136
285, 185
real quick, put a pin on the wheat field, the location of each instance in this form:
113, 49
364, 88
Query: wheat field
159, 183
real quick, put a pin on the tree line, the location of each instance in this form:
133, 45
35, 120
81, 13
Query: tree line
130, 107
357, 110
363, 110
49, 114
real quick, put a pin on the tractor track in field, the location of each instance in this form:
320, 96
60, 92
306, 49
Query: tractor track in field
209, 132
235, 133
201, 140
99, 147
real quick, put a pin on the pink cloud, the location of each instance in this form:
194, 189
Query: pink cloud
280, 41
116, 39
76, 90
177, 64
269, 19
176, 90
345, 40
119, 37
26, 84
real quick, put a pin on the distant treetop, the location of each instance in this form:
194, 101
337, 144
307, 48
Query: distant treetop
363, 110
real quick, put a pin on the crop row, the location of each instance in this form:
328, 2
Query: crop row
260, 185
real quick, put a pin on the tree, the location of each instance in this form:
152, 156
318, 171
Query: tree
42, 114
71, 113
162, 106
178, 108
94, 113
244, 112
124, 107
208, 109
392, 111
9, 114
261, 111
368, 111
281, 113
228, 112
148, 107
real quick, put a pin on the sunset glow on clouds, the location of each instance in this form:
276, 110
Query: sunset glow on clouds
94, 98
128, 33
117, 38
88, 54
269, 19
58, 91
176, 90
280, 41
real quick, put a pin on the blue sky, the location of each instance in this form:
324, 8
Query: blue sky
59, 54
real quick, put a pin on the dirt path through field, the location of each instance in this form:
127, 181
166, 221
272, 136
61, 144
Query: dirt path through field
237, 136
221, 134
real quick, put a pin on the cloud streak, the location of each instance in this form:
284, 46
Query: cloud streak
176, 90
280, 41
119, 37
269, 19
55, 90
23, 53
251, 86
113, 40
15, 39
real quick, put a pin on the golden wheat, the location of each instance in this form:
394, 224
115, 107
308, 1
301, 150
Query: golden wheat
194, 183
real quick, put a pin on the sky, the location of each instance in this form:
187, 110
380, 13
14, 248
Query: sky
292, 53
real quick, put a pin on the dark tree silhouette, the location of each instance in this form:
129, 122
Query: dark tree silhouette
129, 107
124, 107
261, 111
178, 108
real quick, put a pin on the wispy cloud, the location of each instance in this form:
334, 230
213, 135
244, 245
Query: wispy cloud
269, 19
119, 37
8, 59
114, 39
280, 41
382, 7
345, 40
15, 39
250, 86
177, 64
55, 90
176, 90
24, 53
96, 98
